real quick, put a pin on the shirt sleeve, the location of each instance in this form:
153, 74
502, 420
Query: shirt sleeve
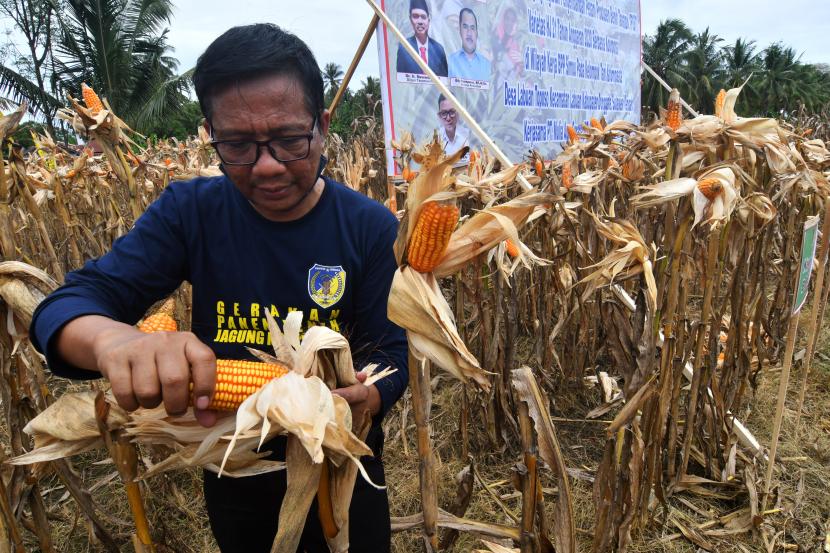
381, 341
143, 266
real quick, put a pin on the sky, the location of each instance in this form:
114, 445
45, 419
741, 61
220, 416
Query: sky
333, 28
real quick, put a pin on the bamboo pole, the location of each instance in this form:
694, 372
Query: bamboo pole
344, 84
818, 307
469, 119
792, 330
660, 80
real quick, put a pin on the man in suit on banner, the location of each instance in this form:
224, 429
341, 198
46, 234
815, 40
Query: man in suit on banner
428, 48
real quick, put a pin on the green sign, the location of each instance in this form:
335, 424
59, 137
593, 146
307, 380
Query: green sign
808, 253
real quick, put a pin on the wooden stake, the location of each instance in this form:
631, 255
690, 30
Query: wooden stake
818, 307
344, 84
421, 405
792, 330
469, 119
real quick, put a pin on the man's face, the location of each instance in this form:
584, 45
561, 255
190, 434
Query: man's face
448, 116
420, 24
269, 107
469, 32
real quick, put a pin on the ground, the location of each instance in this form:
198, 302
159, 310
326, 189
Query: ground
801, 513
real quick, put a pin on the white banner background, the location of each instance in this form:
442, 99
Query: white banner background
551, 63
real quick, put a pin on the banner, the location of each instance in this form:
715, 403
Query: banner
524, 69
808, 253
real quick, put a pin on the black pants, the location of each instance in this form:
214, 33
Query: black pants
243, 512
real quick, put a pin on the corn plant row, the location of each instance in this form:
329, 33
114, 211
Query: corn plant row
647, 278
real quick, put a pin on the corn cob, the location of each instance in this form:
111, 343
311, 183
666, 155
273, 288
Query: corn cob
572, 136
431, 236
235, 379
91, 99
540, 167
633, 169
162, 320
719, 101
567, 176
673, 112
710, 188
408, 174
471, 164
511, 248
595, 123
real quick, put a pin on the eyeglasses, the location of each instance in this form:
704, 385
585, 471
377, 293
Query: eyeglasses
283, 149
447, 114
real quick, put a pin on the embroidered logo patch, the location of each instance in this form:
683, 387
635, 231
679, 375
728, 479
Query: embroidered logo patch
326, 284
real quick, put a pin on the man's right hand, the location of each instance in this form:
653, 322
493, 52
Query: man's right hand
143, 369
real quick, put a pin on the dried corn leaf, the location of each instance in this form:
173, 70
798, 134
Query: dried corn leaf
303, 479
496, 548
417, 305
564, 533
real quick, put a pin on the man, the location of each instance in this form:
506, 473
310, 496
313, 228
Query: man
467, 63
452, 135
263, 236
429, 49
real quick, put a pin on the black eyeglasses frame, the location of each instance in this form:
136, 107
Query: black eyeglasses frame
267, 143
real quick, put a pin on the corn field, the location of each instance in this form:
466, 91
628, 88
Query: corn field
644, 285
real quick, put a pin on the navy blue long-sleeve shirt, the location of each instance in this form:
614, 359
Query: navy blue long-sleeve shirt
335, 264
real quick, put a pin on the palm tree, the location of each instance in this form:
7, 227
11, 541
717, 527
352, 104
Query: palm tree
740, 62
332, 76
704, 70
119, 47
369, 95
25, 78
781, 85
665, 53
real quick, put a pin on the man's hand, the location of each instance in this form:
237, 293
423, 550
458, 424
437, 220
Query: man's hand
144, 369
361, 398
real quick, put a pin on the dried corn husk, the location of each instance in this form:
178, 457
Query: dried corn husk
417, 305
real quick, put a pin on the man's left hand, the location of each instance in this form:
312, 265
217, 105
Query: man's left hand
360, 397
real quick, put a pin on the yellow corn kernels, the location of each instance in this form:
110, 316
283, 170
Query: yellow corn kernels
158, 322
432, 233
719, 101
710, 188
236, 380
674, 115
573, 138
511, 248
567, 176
91, 99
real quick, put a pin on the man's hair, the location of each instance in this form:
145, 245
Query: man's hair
251, 51
418, 5
469, 11
441, 98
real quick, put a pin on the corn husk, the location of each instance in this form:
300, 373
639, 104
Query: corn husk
417, 305
488, 228
630, 259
